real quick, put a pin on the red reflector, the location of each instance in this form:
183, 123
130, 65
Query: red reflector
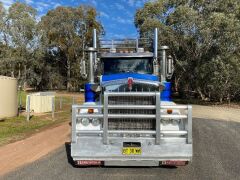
88, 163
174, 163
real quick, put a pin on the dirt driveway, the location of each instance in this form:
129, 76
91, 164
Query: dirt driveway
217, 113
28, 150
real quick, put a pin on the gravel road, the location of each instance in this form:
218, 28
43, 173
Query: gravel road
216, 148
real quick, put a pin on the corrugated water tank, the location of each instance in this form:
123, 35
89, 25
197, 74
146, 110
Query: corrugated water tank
8, 97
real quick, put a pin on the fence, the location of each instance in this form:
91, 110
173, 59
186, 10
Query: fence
53, 104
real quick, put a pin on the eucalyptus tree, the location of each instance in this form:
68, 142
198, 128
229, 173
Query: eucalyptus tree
205, 40
6, 64
45, 54
67, 31
19, 32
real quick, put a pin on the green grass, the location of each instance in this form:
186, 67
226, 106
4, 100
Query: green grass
22, 95
17, 128
12, 129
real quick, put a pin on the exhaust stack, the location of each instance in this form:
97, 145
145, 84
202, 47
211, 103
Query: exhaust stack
155, 62
95, 38
95, 47
163, 62
156, 43
91, 52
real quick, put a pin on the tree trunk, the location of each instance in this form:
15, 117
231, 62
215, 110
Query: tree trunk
176, 84
19, 71
221, 98
229, 99
12, 74
25, 74
201, 94
68, 75
12, 70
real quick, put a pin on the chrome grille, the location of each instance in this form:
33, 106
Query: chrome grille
131, 100
128, 123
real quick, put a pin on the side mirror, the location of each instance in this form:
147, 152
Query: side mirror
83, 69
170, 67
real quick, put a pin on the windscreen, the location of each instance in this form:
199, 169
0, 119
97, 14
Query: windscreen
128, 65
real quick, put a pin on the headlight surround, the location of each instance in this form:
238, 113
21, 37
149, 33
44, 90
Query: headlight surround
175, 121
165, 121
95, 122
85, 121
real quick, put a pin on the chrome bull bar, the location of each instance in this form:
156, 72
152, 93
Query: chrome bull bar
103, 114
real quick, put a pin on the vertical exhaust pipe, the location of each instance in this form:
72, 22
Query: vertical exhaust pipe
91, 52
156, 43
95, 47
95, 38
155, 48
163, 62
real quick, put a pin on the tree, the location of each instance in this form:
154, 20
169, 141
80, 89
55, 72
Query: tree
4, 43
205, 42
18, 29
45, 54
64, 30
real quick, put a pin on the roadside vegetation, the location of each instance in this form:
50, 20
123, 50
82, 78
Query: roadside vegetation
45, 53
204, 40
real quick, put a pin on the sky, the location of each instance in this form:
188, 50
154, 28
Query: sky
116, 16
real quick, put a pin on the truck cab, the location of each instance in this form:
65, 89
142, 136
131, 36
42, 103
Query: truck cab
128, 118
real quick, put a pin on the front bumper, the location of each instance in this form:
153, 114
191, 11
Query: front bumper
92, 148
157, 145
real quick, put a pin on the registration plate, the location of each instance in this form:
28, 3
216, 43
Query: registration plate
131, 151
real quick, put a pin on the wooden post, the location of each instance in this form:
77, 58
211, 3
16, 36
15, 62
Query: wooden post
19, 100
53, 107
28, 107
60, 104
73, 100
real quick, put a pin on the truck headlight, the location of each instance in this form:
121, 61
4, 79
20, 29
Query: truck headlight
165, 121
176, 121
85, 121
95, 122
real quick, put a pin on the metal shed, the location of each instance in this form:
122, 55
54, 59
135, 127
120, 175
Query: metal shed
41, 102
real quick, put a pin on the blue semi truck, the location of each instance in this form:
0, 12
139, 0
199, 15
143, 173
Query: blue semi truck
128, 118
